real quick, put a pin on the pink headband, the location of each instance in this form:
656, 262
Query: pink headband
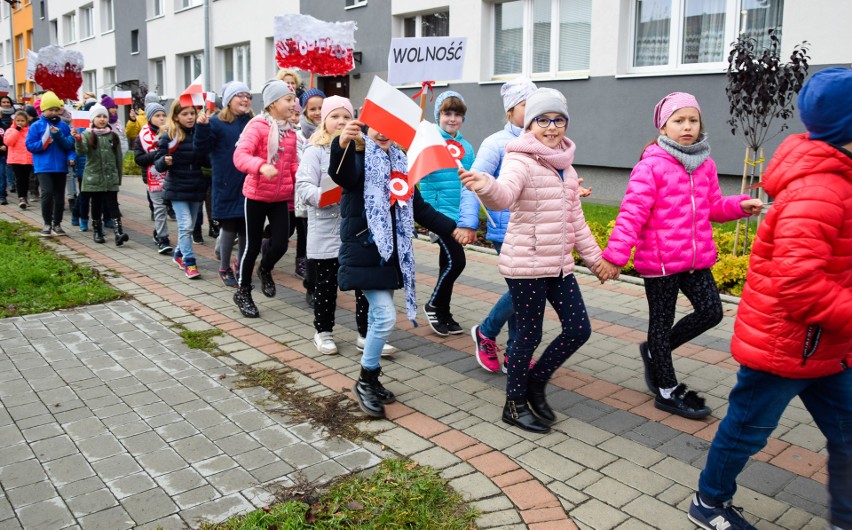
671, 104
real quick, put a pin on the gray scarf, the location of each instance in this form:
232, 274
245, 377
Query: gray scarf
691, 156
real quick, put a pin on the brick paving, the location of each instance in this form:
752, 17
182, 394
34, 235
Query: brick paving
147, 434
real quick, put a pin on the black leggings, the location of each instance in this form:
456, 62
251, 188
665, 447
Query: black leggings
52, 196
22, 178
257, 212
325, 297
104, 203
700, 288
451, 261
300, 226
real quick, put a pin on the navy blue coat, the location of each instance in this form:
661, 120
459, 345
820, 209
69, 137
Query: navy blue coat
184, 181
361, 266
218, 140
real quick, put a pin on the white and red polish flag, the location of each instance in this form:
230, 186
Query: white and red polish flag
330, 192
46, 138
193, 96
122, 97
210, 101
428, 153
391, 112
80, 119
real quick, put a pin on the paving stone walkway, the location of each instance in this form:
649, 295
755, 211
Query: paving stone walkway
612, 460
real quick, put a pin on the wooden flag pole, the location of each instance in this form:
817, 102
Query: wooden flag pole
422, 100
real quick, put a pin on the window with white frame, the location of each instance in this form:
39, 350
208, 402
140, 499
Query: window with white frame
87, 21
431, 25
109, 77
107, 16
6, 9
694, 34
355, 3
9, 50
19, 47
158, 75
90, 81
53, 29
237, 63
542, 38
192, 65
185, 4
134, 41
156, 8
69, 28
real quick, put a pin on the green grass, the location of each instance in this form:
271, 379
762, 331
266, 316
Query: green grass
35, 279
202, 340
399, 494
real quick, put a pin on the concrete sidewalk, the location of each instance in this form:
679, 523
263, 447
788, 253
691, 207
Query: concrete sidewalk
612, 461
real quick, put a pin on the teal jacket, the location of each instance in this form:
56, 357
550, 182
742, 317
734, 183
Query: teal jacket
442, 189
104, 163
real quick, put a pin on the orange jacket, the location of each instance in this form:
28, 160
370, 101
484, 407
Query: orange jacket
795, 318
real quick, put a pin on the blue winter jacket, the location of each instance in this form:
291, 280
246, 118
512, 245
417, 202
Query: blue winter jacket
442, 189
54, 159
218, 140
489, 160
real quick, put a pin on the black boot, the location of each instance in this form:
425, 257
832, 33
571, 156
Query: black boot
518, 413
267, 284
537, 401
244, 301
120, 236
98, 232
370, 393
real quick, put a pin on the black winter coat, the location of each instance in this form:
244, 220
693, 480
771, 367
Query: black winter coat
184, 181
361, 266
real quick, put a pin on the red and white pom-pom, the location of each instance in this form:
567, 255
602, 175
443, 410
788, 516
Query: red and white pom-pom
60, 71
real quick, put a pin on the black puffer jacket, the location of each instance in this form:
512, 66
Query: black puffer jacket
361, 266
184, 180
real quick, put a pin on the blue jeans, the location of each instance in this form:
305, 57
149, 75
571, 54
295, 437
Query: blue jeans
381, 319
502, 312
4, 187
754, 408
10, 177
186, 213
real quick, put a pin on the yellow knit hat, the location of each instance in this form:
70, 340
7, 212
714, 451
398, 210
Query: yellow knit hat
50, 101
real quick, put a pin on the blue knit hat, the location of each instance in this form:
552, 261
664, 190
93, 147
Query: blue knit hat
825, 106
308, 94
440, 99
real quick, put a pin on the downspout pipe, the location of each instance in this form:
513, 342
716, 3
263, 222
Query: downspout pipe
207, 81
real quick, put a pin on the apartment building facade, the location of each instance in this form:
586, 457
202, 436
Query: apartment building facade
613, 59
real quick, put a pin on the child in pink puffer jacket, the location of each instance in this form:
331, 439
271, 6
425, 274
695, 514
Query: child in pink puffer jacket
540, 186
671, 199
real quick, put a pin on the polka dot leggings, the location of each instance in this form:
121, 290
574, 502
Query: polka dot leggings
529, 297
325, 297
700, 289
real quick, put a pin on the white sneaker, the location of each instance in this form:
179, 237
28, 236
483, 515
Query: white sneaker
325, 343
387, 349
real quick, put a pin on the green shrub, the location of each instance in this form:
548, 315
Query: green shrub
130, 167
730, 273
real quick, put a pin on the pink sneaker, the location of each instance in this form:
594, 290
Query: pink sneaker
486, 350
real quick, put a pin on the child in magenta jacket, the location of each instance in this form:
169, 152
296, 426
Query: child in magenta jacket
266, 153
671, 199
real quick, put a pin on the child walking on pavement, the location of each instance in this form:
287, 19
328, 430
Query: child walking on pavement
376, 251
266, 153
185, 185
49, 140
145, 151
18, 158
671, 198
102, 175
793, 332
539, 184
324, 227
442, 190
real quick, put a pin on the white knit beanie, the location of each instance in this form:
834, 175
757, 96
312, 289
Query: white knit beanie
542, 101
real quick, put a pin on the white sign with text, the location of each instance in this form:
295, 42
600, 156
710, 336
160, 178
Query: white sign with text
415, 60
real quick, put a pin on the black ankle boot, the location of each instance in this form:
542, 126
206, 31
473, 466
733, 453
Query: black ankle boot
537, 401
120, 236
518, 413
244, 301
267, 284
370, 394
98, 232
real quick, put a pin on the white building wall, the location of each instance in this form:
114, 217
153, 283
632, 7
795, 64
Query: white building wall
7, 57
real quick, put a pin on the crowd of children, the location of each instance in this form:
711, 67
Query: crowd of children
267, 174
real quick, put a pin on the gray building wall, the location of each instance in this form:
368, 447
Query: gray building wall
130, 15
41, 25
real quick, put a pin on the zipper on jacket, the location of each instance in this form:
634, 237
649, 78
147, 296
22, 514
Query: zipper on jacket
812, 337
692, 199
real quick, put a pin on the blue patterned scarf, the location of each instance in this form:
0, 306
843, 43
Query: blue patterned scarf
377, 169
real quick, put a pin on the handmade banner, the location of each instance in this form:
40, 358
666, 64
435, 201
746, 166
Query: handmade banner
330, 192
391, 112
80, 119
428, 153
122, 97
316, 46
414, 60
59, 70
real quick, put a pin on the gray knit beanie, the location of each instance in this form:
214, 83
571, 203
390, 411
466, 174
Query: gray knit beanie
542, 101
274, 90
232, 89
152, 97
152, 108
